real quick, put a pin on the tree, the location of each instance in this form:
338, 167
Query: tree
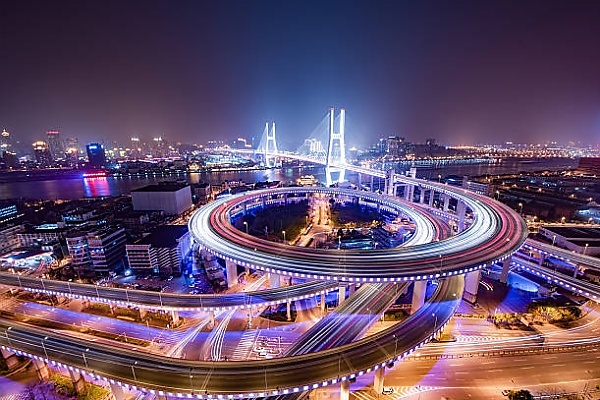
520, 395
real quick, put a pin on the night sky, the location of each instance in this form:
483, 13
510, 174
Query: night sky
459, 71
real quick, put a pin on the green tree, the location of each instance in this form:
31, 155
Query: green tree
520, 395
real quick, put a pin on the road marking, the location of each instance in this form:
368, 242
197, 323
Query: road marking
489, 362
530, 367
559, 365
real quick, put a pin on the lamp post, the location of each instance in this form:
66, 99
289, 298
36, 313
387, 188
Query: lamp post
554, 239
85, 359
44, 347
498, 195
520, 208
434, 324
585, 248
246, 226
562, 220
283, 233
133, 372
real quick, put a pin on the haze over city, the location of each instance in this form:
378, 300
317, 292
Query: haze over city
462, 72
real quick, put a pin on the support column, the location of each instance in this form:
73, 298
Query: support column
378, 381
10, 358
117, 391
359, 181
341, 294
323, 304
274, 280
175, 316
422, 195
431, 196
505, 267
446, 202
78, 381
351, 289
143, 312
289, 310
161, 397
231, 270
372, 183
418, 297
43, 372
345, 390
211, 315
471, 286
542, 258
461, 209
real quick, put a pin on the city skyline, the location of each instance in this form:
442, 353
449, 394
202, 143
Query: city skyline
463, 73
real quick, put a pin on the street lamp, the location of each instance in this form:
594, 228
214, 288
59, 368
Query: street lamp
434, 323
283, 232
85, 359
498, 195
562, 220
44, 347
133, 372
246, 225
585, 248
554, 239
520, 208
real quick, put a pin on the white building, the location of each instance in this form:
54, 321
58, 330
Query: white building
172, 198
161, 252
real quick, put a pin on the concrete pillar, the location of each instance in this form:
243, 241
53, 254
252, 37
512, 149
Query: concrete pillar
542, 258
471, 286
372, 183
264, 202
431, 196
422, 196
10, 358
78, 381
161, 397
250, 317
351, 289
42, 370
143, 312
175, 317
117, 391
231, 270
505, 267
289, 310
418, 297
274, 280
359, 181
322, 303
211, 315
345, 390
341, 294
461, 210
378, 381
446, 202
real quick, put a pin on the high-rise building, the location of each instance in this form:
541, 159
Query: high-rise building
5, 141
161, 252
42, 153
55, 145
96, 155
171, 198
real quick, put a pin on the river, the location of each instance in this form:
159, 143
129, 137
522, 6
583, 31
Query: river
71, 189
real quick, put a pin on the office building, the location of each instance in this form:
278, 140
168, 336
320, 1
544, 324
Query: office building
42, 153
55, 144
161, 252
96, 155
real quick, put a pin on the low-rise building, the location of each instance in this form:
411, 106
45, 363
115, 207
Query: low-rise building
172, 198
160, 252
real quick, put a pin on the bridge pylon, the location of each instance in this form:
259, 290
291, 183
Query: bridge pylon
270, 149
336, 151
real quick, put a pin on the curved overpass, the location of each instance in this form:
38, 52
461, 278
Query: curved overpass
495, 233
168, 301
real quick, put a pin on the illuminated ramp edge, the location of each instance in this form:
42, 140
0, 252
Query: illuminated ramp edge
154, 374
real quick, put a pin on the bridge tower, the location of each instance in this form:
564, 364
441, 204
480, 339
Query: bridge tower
336, 151
270, 149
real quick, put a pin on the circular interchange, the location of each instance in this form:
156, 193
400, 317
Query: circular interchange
495, 232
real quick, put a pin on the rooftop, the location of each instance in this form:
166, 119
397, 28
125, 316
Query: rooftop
164, 236
171, 187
